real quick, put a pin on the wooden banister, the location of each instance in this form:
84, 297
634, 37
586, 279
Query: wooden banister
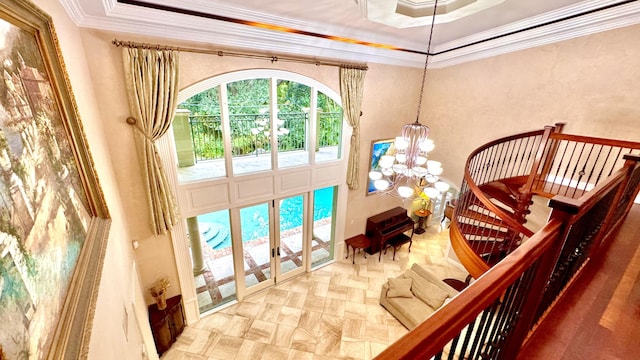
506, 218
503, 140
569, 176
538, 272
428, 338
544, 265
542, 159
598, 141
472, 262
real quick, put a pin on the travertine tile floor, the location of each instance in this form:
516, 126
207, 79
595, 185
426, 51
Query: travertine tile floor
331, 313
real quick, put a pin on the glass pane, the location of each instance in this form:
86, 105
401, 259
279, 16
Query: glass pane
197, 131
329, 129
322, 243
256, 248
291, 213
217, 284
293, 123
249, 122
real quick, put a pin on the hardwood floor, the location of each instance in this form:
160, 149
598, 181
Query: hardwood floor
599, 317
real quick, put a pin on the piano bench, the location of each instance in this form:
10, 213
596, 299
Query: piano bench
397, 242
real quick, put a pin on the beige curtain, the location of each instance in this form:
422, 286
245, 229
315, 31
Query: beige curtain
351, 86
152, 86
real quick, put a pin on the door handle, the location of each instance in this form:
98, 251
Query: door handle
273, 252
278, 251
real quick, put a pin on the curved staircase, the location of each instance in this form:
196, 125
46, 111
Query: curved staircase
526, 267
502, 177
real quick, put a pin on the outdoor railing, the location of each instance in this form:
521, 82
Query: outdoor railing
251, 134
492, 317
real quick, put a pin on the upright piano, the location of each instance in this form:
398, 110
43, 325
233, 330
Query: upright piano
388, 227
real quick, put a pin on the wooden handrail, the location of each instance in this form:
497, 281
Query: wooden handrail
503, 140
549, 140
506, 218
594, 140
584, 203
553, 249
431, 337
428, 338
474, 264
541, 178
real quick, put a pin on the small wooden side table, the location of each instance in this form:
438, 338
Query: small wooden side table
422, 215
357, 242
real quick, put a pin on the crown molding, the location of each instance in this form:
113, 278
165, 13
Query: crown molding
613, 18
109, 15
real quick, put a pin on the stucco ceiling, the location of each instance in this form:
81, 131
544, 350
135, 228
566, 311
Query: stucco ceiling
379, 31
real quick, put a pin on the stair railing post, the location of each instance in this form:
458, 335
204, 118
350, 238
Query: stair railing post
543, 157
551, 153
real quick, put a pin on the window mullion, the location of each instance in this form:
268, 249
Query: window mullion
273, 105
226, 129
313, 125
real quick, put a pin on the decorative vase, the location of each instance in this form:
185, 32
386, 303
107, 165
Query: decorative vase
161, 301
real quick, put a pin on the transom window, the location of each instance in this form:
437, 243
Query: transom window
254, 123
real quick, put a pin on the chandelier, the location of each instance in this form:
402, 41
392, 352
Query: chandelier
405, 170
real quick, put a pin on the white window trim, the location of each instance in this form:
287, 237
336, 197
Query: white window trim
166, 148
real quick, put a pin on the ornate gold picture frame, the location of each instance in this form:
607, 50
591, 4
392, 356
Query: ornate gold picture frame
54, 221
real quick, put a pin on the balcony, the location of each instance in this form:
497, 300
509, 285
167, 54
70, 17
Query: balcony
200, 142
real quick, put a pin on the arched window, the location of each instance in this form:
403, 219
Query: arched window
259, 175
255, 120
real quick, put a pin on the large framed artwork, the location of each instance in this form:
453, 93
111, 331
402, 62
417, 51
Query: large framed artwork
53, 218
379, 148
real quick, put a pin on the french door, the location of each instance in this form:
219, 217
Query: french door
249, 248
271, 242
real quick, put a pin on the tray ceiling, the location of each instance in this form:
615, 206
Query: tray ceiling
379, 31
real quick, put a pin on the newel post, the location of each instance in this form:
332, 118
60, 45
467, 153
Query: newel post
541, 159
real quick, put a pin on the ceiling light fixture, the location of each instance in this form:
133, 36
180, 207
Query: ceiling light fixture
405, 171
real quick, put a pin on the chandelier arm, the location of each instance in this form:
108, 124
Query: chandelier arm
426, 61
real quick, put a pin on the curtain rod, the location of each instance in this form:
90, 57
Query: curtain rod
273, 59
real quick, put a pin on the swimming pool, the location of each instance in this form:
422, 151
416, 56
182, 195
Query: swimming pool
215, 227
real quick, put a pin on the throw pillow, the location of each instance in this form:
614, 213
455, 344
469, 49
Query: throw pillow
399, 287
434, 296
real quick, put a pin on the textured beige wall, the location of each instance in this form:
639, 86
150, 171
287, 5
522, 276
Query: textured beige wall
105, 61
589, 82
118, 277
